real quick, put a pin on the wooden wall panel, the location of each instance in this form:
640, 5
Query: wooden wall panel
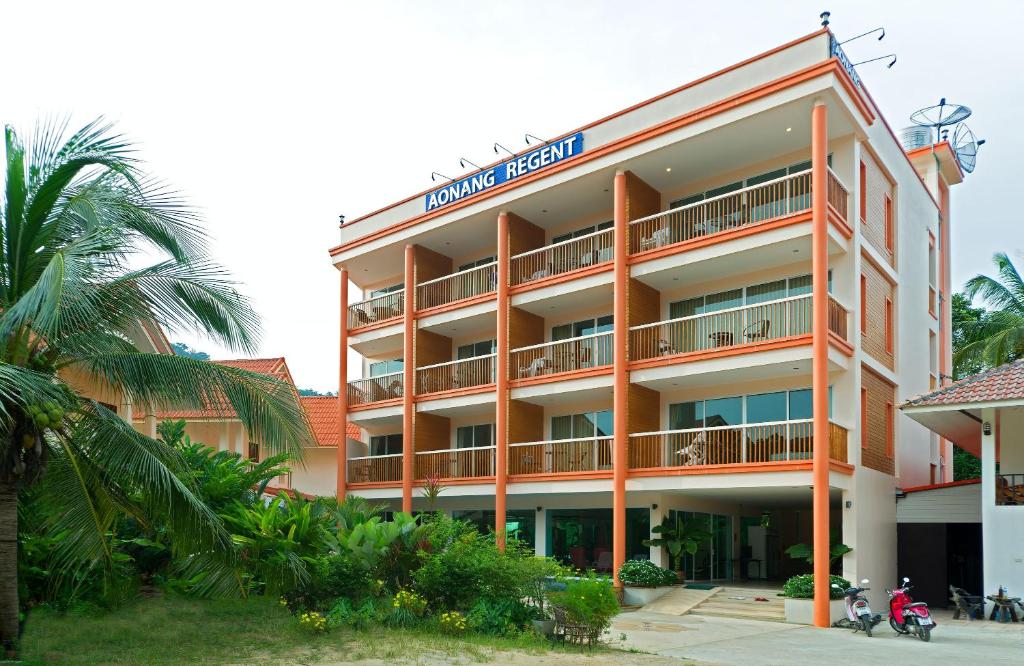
642, 416
641, 199
525, 328
873, 338
431, 348
431, 432
873, 216
523, 235
525, 422
644, 303
430, 264
875, 443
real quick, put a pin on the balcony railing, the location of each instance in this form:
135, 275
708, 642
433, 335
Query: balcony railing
455, 374
378, 309
465, 463
562, 257
457, 286
588, 454
838, 195
375, 389
748, 206
837, 318
731, 445
375, 469
1010, 489
588, 351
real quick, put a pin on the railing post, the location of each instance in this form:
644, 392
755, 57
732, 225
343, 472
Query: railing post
342, 453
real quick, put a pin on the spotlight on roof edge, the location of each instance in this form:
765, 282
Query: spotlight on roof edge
535, 138
434, 176
498, 145
463, 162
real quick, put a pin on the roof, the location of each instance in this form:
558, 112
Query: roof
322, 412
940, 486
1005, 382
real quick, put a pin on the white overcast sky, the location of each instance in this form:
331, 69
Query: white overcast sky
275, 117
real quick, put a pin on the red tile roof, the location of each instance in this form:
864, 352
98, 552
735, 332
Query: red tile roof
1003, 383
322, 412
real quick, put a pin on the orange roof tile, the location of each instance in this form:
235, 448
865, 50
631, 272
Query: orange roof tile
1003, 383
322, 412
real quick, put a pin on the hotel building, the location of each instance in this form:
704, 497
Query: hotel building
710, 303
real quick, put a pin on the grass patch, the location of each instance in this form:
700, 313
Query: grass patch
172, 630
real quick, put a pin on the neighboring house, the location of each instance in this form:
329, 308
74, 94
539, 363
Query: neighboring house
984, 414
221, 429
708, 304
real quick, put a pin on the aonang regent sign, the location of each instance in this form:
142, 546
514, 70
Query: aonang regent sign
526, 163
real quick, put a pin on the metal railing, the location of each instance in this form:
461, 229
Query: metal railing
373, 310
465, 463
1010, 489
837, 318
731, 445
587, 454
450, 375
838, 195
375, 389
748, 324
562, 257
588, 351
375, 469
748, 206
457, 286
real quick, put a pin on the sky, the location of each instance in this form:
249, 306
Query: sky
274, 118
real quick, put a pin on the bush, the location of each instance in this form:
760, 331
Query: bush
498, 617
644, 573
332, 577
590, 602
802, 587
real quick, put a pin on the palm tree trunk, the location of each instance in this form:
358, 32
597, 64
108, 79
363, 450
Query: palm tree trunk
9, 566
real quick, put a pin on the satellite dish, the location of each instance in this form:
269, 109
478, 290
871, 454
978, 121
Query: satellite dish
940, 115
965, 145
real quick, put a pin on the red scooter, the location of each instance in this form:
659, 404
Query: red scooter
907, 616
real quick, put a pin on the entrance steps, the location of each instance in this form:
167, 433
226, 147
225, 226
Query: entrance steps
679, 601
738, 602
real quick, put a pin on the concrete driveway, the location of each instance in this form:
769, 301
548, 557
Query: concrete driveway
722, 640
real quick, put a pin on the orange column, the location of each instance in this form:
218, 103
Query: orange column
343, 387
620, 339
501, 384
408, 378
819, 370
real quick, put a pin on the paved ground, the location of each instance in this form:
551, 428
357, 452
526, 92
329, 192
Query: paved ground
720, 640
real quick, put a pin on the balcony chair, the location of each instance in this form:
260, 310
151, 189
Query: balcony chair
362, 317
658, 238
543, 272
758, 330
537, 366
362, 473
395, 389
693, 454
665, 348
721, 338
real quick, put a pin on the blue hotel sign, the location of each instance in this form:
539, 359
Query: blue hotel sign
516, 167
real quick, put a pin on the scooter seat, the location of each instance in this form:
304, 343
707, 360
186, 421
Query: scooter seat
916, 604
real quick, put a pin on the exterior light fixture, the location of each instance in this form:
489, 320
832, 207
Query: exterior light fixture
434, 176
986, 428
498, 145
849, 504
654, 507
539, 509
668, 169
341, 220
463, 162
824, 18
789, 129
527, 138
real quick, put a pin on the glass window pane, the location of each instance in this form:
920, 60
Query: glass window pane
378, 368
800, 406
723, 411
723, 300
769, 291
725, 189
686, 201
765, 177
604, 423
482, 435
797, 168
585, 327
686, 415
583, 425
798, 286
563, 332
605, 324
395, 365
561, 427
686, 308
583, 232
766, 407
559, 239
606, 225
464, 437
464, 351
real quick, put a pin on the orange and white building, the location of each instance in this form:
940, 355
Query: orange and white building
710, 302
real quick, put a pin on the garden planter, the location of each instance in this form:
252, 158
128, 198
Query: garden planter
641, 596
544, 627
801, 611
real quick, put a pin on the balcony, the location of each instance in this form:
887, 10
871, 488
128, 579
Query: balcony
838, 195
548, 358
447, 464
457, 286
1009, 489
590, 454
375, 389
451, 375
781, 441
564, 257
375, 469
376, 310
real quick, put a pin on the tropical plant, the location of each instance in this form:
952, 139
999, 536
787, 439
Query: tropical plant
678, 537
388, 549
78, 220
801, 586
803, 551
644, 573
997, 336
590, 602
354, 510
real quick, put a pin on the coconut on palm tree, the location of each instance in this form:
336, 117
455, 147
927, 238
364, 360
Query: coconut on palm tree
998, 336
78, 220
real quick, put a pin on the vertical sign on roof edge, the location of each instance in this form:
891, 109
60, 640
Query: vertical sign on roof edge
524, 164
840, 54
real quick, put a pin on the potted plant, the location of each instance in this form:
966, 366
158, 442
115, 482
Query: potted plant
644, 581
799, 598
678, 537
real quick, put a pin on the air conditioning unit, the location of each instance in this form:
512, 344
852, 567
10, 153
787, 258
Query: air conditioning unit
915, 137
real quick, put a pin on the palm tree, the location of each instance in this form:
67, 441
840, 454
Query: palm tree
997, 337
78, 218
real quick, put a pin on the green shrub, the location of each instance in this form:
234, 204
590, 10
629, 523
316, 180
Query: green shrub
498, 617
332, 577
644, 573
590, 602
345, 613
802, 587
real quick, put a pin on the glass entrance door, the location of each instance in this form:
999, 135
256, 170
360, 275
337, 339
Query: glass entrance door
713, 559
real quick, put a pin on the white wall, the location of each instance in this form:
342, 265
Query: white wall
319, 477
1002, 526
869, 528
953, 504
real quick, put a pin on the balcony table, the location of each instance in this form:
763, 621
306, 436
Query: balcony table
1002, 607
721, 338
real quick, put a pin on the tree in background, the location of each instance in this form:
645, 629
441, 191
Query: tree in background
315, 393
77, 218
996, 336
967, 321
181, 349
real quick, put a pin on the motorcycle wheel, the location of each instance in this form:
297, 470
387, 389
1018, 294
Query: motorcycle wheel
896, 627
865, 624
924, 633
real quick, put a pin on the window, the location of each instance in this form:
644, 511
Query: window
758, 293
583, 231
379, 368
800, 200
385, 445
888, 325
801, 405
889, 241
582, 327
794, 405
580, 426
863, 418
386, 290
473, 436
863, 193
479, 262
890, 427
472, 350
863, 304
766, 407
